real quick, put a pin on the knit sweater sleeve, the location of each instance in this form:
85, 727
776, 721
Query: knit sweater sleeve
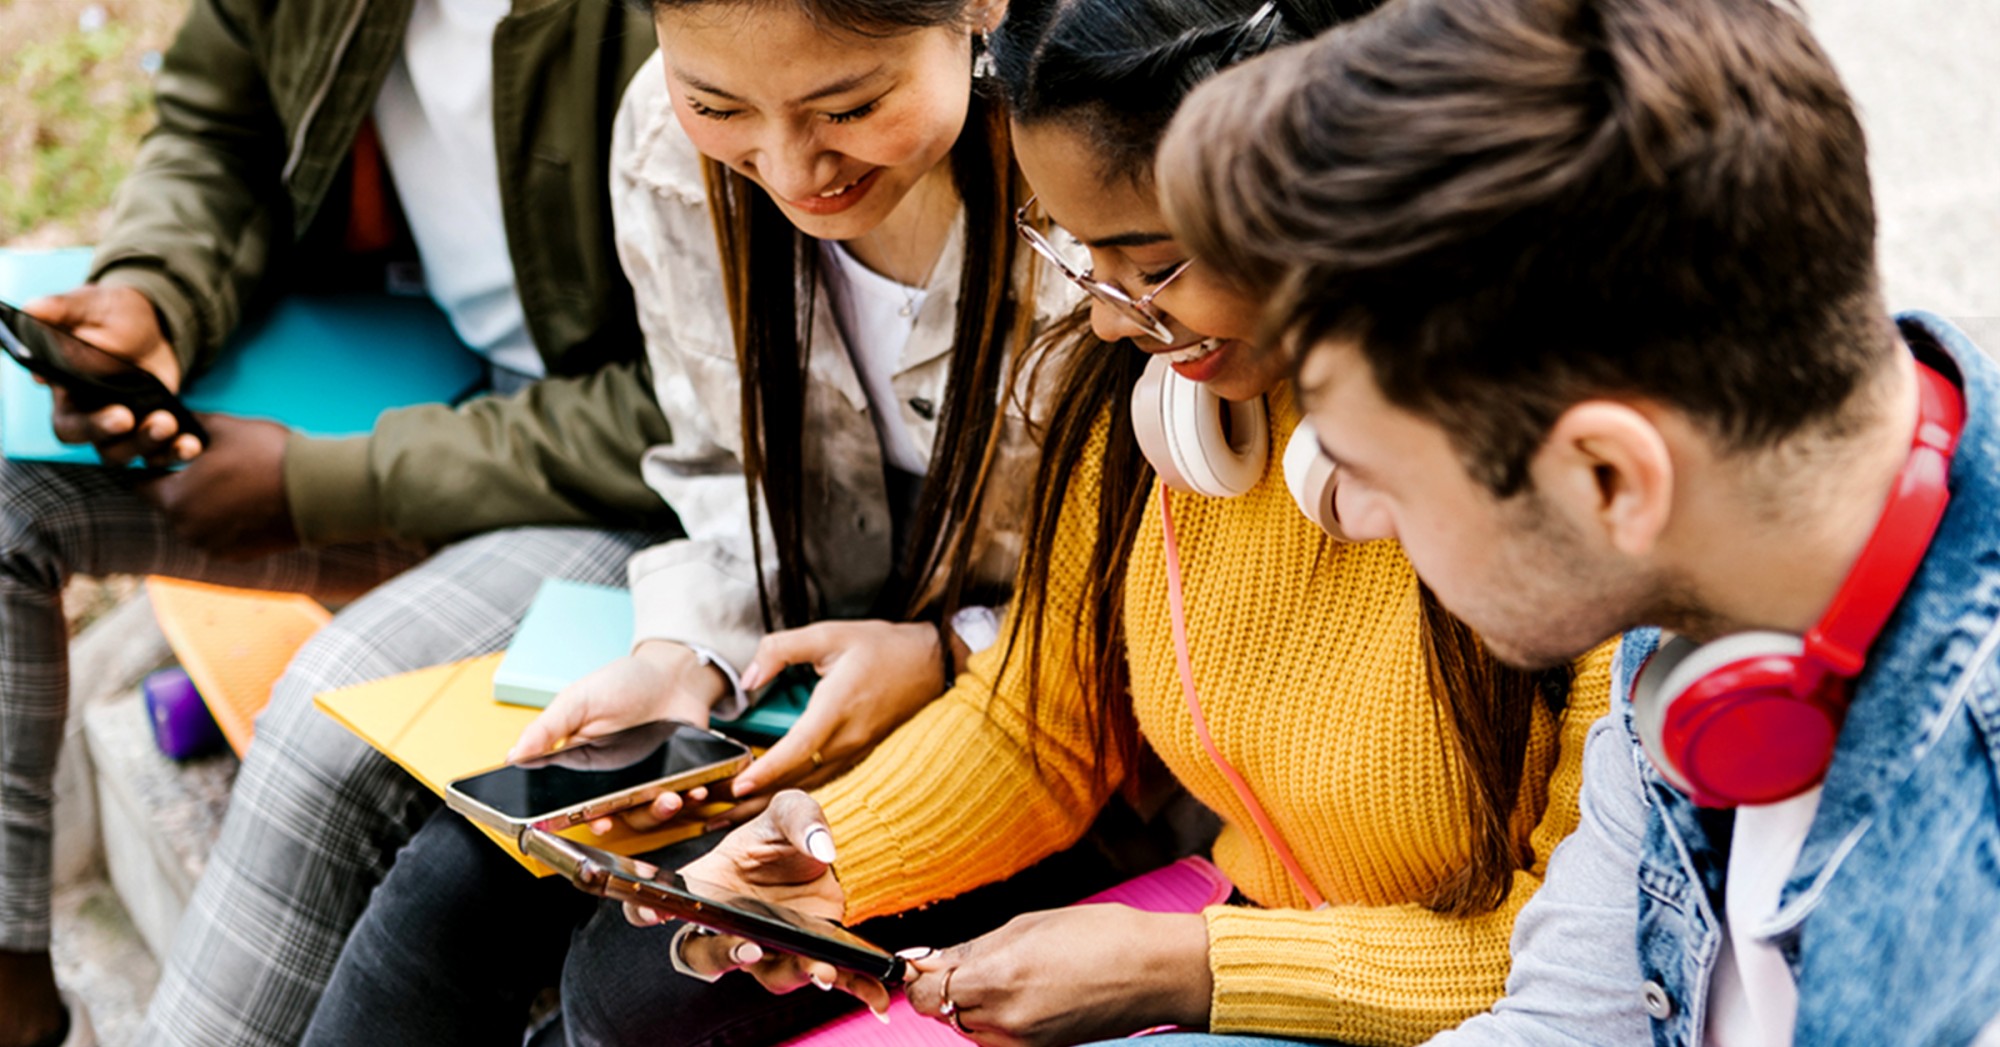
1392, 973
977, 786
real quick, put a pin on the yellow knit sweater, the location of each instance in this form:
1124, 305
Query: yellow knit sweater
1308, 662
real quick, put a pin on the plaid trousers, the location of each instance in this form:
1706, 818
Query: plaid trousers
316, 817
55, 521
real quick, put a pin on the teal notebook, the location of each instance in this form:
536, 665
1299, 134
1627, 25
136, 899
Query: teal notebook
573, 629
322, 365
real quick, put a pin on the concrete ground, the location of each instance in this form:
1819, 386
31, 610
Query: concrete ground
1925, 77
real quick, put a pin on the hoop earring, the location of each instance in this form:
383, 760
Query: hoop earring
982, 56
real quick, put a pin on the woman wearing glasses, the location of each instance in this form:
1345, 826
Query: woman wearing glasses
1390, 795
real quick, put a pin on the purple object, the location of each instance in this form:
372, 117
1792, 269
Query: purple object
182, 726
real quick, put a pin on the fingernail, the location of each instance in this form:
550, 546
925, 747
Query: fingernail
744, 785
881, 1015
818, 982
917, 952
747, 953
753, 677
819, 843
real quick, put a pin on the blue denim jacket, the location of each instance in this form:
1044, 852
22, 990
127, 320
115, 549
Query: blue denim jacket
1891, 918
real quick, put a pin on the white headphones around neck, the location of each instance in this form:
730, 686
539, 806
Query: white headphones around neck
1202, 444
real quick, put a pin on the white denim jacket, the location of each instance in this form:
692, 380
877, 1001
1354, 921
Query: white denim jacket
702, 589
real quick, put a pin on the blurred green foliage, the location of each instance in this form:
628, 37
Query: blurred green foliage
88, 105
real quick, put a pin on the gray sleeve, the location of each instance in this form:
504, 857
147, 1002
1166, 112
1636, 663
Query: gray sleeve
1576, 978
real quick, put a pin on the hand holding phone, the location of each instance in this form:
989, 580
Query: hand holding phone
94, 385
785, 856
775, 926
592, 778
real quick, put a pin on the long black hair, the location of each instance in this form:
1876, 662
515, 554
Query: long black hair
1115, 71
770, 274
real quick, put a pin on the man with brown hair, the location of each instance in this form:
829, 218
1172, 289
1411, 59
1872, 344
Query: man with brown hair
1590, 321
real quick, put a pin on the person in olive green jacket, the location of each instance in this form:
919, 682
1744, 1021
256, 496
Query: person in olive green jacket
304, 144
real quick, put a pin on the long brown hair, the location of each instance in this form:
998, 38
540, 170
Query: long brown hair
1117, 69
770, 276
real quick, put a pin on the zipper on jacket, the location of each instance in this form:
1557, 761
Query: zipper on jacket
325, 88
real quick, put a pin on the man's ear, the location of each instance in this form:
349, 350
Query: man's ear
1606, 467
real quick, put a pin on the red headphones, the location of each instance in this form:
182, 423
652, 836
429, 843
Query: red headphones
1753, 718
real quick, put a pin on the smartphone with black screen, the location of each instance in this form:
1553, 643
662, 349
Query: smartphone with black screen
93, 378
590, 779
773, 926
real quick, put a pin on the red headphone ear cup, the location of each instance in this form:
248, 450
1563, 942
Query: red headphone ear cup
1725, 722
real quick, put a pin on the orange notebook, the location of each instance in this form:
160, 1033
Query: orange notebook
442, 724
234, 644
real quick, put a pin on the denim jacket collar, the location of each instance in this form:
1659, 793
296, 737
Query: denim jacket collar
1917, 679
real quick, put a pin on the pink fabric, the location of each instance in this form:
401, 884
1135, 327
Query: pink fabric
1188, 885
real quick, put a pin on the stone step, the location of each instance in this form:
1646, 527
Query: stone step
101, 958
159, 818
129, 834
107, 659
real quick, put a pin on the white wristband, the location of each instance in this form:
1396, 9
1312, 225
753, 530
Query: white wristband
978, 626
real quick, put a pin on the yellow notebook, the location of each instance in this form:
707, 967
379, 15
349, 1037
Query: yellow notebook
442, 724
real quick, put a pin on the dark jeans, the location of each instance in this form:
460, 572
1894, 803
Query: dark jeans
459, 940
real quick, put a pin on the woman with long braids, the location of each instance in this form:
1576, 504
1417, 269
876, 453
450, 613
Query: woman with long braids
1390, 793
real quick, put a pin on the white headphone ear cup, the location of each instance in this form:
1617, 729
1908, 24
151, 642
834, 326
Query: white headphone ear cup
1180, 430
1149, 423
1313, 479
1201, 441
1676, 667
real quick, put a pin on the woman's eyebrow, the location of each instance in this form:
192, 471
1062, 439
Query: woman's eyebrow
1132, 239
841, 86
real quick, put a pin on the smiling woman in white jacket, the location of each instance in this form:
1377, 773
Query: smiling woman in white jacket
905, 459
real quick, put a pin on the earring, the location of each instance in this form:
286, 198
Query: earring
982, 56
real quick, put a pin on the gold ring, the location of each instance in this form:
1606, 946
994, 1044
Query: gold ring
958, 1023
947, 1008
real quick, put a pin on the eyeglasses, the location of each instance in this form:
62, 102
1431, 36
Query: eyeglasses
1140, 311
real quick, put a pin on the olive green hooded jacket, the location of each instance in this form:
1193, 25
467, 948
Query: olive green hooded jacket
242, 182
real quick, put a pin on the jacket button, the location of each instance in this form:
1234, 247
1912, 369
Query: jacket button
1658, 1004
925, 409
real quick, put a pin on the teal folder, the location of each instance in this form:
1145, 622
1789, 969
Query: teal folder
573, 629
324, 365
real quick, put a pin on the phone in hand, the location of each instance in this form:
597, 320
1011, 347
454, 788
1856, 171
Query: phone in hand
769, 924
589, 779
93, 378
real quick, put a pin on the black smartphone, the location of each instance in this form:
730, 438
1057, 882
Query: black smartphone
93, 378
590, 779
773, 926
